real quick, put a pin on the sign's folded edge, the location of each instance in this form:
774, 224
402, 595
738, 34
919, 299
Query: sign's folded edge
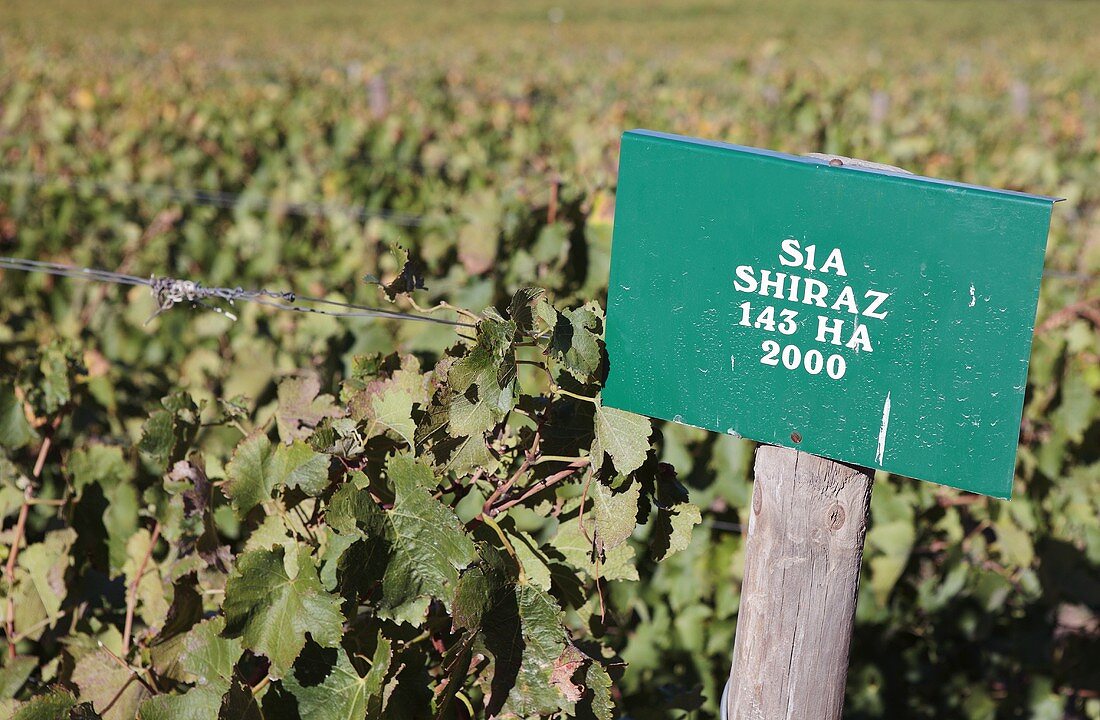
807, 160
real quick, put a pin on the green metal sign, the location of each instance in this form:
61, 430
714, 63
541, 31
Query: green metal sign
871, 317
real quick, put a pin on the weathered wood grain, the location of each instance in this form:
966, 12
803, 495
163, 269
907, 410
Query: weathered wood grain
806, 530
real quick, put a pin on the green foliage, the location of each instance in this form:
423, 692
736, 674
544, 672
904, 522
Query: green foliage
273, 599
372, 549
335, 518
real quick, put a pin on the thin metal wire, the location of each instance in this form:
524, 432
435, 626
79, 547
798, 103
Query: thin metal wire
169, 292
229, 200
213, 198
52, 268
1072, 276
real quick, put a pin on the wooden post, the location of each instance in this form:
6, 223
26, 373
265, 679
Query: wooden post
798, 599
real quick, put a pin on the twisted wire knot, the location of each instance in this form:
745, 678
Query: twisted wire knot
168, 292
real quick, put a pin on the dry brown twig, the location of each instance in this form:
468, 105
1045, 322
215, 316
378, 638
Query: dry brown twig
20, 529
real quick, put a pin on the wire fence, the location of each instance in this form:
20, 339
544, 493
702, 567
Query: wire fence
169, 292
228, 200
222, 199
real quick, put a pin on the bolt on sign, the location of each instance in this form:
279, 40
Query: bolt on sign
876, 318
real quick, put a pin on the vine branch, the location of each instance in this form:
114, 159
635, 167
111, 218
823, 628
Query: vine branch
541, 485
131, 599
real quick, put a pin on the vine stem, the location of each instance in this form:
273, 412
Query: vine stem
528, 460
9, 571
542, 485
540, 366
443, 305
258, 687
595, 550
560, 458
507, 546
562, 391
20, 529
40, 624
131, 599
134, 674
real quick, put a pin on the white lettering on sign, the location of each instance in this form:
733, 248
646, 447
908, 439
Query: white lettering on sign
847, 330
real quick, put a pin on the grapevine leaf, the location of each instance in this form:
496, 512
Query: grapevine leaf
482, 383
383, 393
351, 509
614, 513
673, 529
1078, 406
574, 337
580, 551
518, 626
890, 539
121, 521
1014, 543
479, 236
535, 564
302, 407
521, 309
539, 643
471, 414
40, 581
209, 657
600, 703
208, 660
272, 612
153, 607
14, 674
49, 383
239, 703
480, 587
198, 703
15, 431
335, 545
893, 540
463, 455
98, 463
169, 644
271, 531
367, 539
622, 435
52, 705
410, 279
430, 546
12, 482
106, 466
298, 466
565, 667
248, 480
257, 469
107, 684
169, 432
456, 668
408, 692
188, 512
393, 411
343, 694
